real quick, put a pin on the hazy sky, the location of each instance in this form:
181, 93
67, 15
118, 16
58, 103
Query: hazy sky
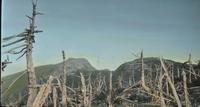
106, 32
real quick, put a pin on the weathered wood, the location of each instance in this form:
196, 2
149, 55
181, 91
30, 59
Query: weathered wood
190, 69
17, 41
120, 81
64, 90
142, 75
90, 92
31, 75
99, 84
43, 93
32, 92
167, 87
14, 36
162, 101
187, 101
171, 84
83, 89
12, 49
110, 91
172, 76
55, 97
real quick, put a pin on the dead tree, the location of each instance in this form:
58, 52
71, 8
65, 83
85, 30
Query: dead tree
30, 67
187, 101
90, 92
167, 87
26, 49
110, 91
190, 68
55, 97
64, 92
5, 63
142, 76
43, 93
162, 101
171, 84
120, 81
84, 90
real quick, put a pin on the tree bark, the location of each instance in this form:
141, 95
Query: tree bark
64, 92
32, 89
110, 91
187, 101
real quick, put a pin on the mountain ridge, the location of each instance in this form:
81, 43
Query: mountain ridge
79, 65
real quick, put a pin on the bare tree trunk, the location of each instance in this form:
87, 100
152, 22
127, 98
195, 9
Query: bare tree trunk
172, 76
55, 97
32, 89
190, 73
64, 92
43, 93
90, 92
142, 76
167, 87
133, 74
120, 81
171, 85
161, 91
191, 70
187, 101
83, 88
178, 73
31, 80
110, 91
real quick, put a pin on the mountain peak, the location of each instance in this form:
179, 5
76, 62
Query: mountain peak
133, 67
74, 64
80, 60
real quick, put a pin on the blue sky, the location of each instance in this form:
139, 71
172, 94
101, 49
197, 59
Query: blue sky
106, 32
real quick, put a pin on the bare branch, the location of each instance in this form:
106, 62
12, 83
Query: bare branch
171, 84
14, 36
12, 50
21, 55
17, 41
